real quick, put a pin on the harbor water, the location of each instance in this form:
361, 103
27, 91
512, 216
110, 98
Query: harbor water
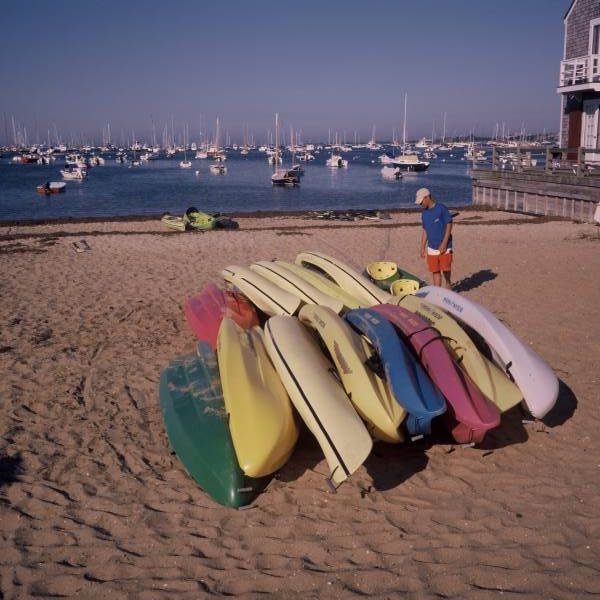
160, 186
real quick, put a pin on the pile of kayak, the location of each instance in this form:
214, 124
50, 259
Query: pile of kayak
358, 357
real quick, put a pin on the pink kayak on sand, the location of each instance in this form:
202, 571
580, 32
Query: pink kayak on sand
470, 414
205, 311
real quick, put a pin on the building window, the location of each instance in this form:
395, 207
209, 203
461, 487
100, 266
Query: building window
590, 131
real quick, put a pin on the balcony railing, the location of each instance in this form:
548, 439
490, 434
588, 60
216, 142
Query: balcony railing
580, 70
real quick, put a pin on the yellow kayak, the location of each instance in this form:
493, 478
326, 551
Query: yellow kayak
323, 284
294, 284
318, 396
260, 413
346, 277
368, 392
490, 380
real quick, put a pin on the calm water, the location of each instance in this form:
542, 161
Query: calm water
162, 186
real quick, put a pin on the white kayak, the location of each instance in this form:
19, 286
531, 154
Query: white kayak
536, 380
267, 296
347, 278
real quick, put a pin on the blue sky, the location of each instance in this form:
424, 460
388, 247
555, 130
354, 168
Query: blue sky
339, 65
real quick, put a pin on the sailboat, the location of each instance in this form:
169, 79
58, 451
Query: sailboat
282, 176
296, 168
218, 167
185, 163
408, 162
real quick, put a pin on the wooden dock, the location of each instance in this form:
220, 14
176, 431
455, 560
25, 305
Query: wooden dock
552, 190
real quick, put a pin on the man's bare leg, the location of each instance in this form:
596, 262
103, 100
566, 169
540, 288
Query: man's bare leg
448, 279
437, 278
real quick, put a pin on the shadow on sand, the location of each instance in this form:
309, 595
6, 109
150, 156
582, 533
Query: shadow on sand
389, 465
474, 280
10, 468
565, 406
305, 457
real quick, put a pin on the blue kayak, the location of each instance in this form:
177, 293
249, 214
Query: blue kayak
409, 382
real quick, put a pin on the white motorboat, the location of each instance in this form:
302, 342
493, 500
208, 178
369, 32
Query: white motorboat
410, 162
74, 173
201, 154
384, 159
285, 177
185, 164
335, 161
391, 172
218, 169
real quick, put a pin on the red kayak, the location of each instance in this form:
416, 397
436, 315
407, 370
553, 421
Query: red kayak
205, 311
470, 414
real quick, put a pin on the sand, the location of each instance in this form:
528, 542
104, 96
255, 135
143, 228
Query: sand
95, 505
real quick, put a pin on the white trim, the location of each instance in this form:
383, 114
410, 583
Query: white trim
594, 86
560, 130
593, 23
570, 10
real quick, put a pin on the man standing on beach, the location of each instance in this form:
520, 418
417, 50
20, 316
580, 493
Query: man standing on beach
436, 237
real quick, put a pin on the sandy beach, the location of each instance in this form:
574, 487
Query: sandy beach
93, 504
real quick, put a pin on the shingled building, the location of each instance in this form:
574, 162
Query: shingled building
579, 83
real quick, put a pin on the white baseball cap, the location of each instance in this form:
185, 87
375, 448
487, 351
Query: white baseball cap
422, 193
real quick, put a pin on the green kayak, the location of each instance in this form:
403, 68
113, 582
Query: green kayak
385, 273
193, 410
196, 219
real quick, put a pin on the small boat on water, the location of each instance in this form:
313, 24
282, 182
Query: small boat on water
388, 172
285, 177
74, 173
218, 168
51, 187
185, 164
335, 161
410, 162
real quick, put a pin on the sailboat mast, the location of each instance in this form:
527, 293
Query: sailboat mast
404, 126
276, 156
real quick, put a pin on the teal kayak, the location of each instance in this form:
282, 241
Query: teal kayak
194, 414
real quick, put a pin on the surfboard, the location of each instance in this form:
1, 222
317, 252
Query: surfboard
492, 382
267, 296
205, 311
368, 392
536, 380
260, 414
294, 284
318, 396
347, 278
411, 386
470, 414
193, 410
322, 283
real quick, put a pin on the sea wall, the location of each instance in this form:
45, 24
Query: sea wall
538, 193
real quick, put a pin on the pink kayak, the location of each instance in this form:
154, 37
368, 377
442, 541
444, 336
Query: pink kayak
470, 414
205, 311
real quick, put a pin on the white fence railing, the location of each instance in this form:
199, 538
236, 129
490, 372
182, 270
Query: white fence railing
583, 69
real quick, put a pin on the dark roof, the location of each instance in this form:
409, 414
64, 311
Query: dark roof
569, 9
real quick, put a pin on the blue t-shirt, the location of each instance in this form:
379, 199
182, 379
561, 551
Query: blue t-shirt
434, 221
